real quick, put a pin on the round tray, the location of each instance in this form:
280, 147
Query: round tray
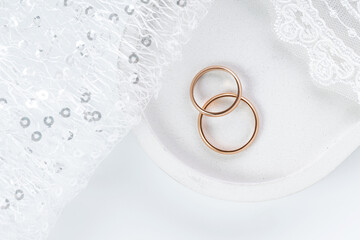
305, 132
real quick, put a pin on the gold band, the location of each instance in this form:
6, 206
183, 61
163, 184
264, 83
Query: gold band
237, 96
218, 150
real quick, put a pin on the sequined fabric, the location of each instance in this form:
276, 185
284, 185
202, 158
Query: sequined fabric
75, 77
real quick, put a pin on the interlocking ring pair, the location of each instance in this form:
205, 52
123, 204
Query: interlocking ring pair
238, 98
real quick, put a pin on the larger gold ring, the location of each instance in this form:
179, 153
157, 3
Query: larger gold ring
216, 149
226, 111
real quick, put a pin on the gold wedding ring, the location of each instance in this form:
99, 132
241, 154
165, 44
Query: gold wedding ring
203, 110
226, 111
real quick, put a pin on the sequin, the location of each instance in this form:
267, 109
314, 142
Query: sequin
36, 136
133, 58
114, 17
84, 53
58, 167
89, 11
96, 116
80, 45
25, 122
85, 97
65, 112
67, 135
70, 60
129, 9
134, 78
92, 116
181, 3
3, 102
88, 116
146, 41
91, 35
29, 150
39, 53
6, 204
67, 3
71, 135
49, 121
19, 194
37, 21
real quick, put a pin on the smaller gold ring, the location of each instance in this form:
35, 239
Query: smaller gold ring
218, 150
237, 97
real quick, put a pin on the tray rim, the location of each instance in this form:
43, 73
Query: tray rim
246, 192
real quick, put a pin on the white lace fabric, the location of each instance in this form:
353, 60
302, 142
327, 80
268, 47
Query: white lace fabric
330, 32
75, 77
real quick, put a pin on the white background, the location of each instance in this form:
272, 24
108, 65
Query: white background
131, 198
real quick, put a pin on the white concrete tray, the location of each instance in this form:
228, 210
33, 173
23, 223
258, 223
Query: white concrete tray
305, 132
